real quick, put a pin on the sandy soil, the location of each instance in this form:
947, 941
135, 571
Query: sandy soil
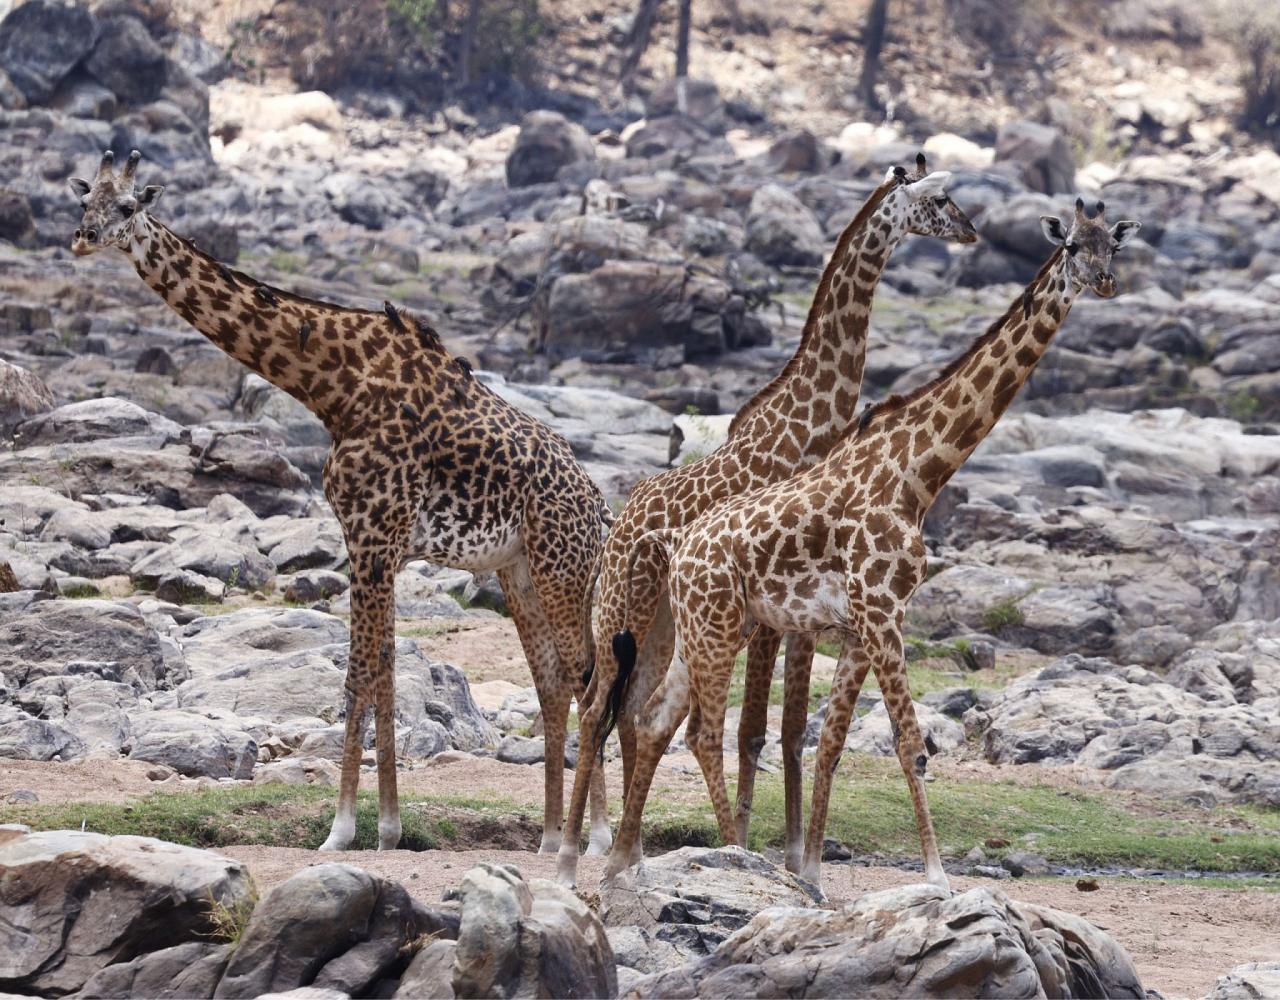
1180, 938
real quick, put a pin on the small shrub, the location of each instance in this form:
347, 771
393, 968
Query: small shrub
1003, 616
227, 923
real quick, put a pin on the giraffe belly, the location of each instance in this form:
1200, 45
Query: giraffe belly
459, 545
781, 607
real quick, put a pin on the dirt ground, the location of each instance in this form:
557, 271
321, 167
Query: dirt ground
1181, 937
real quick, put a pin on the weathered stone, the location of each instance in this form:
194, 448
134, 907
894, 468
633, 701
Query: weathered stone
528, 939
128, 61
547, 142
781, 230
1250, 981
1042, 154
195, 745
132, 895
40, 41
23, 395
185, 970
917, 939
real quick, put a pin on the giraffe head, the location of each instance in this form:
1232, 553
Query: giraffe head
1089, 246
112, 205
930, 210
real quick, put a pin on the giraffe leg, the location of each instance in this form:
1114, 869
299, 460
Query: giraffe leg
553, 692
601, 838
655, 726
795, 717
343, 830
371, 679
850, 673
705, 736
884, 648
762, 651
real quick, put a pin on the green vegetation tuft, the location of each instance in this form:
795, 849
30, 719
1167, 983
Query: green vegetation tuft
1004, 615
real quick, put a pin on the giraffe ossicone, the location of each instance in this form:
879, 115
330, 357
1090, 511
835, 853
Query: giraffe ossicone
426, 462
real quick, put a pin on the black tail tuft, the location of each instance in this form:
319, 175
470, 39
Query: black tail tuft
624, 651
586, 676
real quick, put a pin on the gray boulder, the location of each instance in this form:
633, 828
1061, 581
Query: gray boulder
700, 100
1041, 155
210, 744
693, 898
532, 939
112, 641
919, 941
127, 60
92, 419
329, 926
24, 737
547, 142
130, 895
185, 970
781, 230
1251, 981
236, 565
40, 41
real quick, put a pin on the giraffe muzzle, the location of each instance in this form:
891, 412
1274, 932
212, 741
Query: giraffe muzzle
1104, 285
85, 241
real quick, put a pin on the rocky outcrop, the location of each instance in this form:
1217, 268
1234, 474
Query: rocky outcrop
76, 903
916, 941
1250, 981
23, 395
547, 142
691, 899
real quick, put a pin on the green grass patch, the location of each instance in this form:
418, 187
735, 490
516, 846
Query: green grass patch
1002, 616
871, 812
285, 816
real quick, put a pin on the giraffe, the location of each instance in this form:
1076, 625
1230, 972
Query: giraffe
426, 462
839, 546
789, 424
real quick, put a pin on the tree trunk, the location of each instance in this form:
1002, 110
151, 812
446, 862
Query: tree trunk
682, 39
638, 42
872, 44
467, 41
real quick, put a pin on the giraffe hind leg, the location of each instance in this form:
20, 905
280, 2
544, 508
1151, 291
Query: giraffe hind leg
343, 831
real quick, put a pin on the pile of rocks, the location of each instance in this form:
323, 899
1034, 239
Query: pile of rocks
156, 919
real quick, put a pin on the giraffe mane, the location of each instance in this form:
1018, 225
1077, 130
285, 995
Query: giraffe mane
428, 336
815, 310
1021, 304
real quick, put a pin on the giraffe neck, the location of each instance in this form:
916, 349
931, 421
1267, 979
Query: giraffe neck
815, 397
942, 423
295, 344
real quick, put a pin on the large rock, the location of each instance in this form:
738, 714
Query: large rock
693, 898
234, 564
1251, 981
636, 311
700, 100
329, 926
919, 941
1149, 734
209, 744
127, 60
90, 637
547, 142
781, 230
76, 903
528, 939
185, 970
93, 419
23, 395
40, 41
1041, 155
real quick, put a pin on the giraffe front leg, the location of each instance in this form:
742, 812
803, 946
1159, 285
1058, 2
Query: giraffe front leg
851, 671
885, 652
762, 650
343, 830
601, 838
795, 718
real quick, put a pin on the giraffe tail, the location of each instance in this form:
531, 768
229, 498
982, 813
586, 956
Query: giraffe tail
624, 642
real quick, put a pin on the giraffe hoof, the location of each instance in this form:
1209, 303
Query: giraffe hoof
599, 844
550, 843
567, 870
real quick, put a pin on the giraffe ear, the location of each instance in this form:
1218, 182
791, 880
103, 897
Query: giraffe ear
1053, 230
79, 186
931, 186
149, 195
1123, 232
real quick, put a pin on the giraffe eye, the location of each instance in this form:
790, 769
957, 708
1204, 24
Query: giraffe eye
940, 201
1072, 248
126, 210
